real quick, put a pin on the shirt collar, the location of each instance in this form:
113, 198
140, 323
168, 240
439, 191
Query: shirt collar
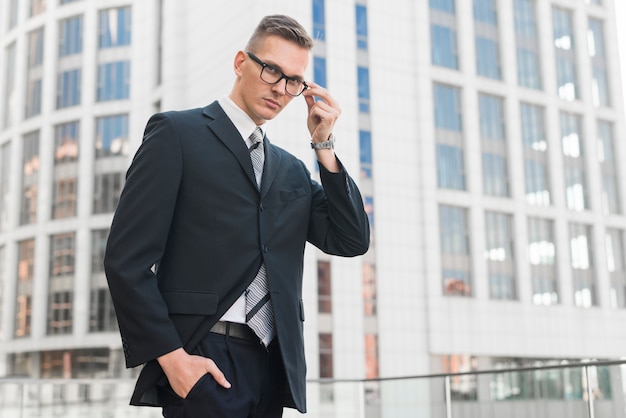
244, 124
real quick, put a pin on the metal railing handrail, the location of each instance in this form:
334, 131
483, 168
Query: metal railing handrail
581, 364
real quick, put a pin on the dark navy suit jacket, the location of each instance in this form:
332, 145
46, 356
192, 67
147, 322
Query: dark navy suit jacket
191, 229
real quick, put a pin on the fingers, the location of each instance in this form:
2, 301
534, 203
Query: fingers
323, 113
217, 374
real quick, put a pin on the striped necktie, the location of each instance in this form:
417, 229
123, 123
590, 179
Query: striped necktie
259, 311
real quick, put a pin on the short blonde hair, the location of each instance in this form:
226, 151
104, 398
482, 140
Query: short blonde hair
283, 26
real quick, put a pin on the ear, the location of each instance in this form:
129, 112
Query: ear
240, 58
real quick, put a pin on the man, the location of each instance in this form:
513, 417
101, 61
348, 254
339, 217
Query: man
211, 217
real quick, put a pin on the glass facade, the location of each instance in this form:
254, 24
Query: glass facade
494, 146
616, 265
499, 255
35, 72
30, 178
527, 44
611, 199
487, 39
443, 34
535, 146
565, 54
24, 291
449, 137
455, 251
582, 265
542, 260
600, 88
113, 81
101, 312
114, 27
61, 285
65, 171
9, 87
574, 162
5, 170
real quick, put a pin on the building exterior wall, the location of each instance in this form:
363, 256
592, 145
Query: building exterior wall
392, 311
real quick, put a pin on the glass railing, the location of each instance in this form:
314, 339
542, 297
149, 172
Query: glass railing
583, 390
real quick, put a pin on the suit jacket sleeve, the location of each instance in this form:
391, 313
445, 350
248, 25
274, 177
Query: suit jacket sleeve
136, 242
338, 223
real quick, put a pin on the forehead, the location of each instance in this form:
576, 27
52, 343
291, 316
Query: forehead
289, 57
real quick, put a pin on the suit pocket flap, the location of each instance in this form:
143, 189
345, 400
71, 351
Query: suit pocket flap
292, 194
190, 302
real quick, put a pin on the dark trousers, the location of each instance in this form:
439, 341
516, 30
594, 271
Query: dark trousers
256, 374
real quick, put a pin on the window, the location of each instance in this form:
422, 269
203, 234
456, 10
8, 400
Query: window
107, 189
499, 255
37, 7
616, 267
112, 136
319, 20
443, 34
528, 72
363, 78
487, 39
463, 387
65, 171
92, 363
370, 304
24, 294
361, 26
34, 73
319, 70
114, 27
2, 282
574, 162
71, 36
444, 47
443, 5
30, 178
101, 312
565, 54
582, 265
68, 88
9, 87
611, 201
494, 147
324, 288
113, 81
449, 136
5, 169
365, 156
600, 88
455, 251
326, 355
371, 357
61, 283
542, 260
536, 173
12, 14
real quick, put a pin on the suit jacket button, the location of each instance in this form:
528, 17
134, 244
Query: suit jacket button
265, 249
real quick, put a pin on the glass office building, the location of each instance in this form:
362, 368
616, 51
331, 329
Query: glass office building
484, 135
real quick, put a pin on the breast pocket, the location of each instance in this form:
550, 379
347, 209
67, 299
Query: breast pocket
286, 195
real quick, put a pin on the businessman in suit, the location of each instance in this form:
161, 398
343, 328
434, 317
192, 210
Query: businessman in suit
213, 215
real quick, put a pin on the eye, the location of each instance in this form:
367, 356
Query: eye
294, 82
272, 70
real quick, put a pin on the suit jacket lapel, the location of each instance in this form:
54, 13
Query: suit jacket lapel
226, 132
270, 168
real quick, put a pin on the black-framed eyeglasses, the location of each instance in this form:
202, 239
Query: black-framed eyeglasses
272, 75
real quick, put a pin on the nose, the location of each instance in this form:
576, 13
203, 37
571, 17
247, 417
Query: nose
280, 87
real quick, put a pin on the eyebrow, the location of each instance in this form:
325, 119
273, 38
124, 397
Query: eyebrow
278, 67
